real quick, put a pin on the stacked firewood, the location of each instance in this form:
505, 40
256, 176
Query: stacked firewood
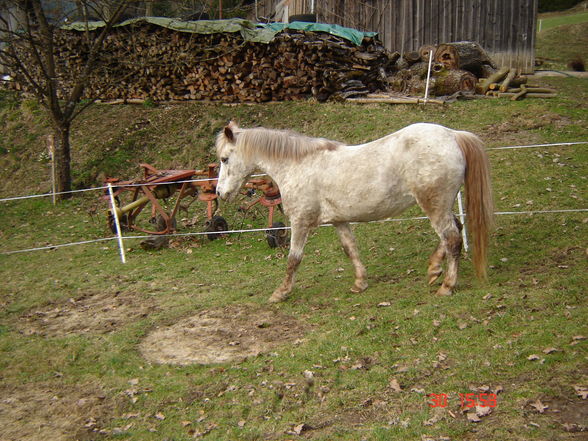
145, 61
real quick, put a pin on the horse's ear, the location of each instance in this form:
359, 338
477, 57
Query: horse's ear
230, 131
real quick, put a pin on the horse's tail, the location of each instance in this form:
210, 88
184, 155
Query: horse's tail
479, 201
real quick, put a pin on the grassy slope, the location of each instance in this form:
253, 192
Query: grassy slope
572, 28
437, 345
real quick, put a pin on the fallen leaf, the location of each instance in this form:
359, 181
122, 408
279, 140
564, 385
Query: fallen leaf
581, 391
549, 350
539, 406
297, 430
134, 381
206, 431
241, 423
384, 304
472, 417
482, 411
434, 419
572, 427
498, 389
185, 423
395, 385
159, 416
533, 357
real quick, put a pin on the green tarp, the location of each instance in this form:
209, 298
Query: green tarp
257, 33
350, 34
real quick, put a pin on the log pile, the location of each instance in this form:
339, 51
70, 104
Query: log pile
459, 67
455, 67
151, 62
147, 62
505, 83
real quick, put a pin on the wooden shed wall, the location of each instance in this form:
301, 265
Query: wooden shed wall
505, 28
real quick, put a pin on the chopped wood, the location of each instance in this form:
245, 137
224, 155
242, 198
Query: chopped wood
496, 77
509, 77
518, 95
159, 64
151, 63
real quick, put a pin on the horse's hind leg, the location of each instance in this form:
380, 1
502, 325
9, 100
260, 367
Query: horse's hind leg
450, 247
298, 240
436, 260
437, 206
350, 248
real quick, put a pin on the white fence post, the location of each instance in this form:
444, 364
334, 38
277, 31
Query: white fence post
117, 224
428, 76
464, 234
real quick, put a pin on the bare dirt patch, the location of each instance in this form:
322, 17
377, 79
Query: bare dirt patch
222, 335
92, 313
52, 412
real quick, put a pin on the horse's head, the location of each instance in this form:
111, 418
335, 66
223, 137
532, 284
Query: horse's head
234, 167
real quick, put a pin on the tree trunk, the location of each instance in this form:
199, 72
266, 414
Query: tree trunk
62, 162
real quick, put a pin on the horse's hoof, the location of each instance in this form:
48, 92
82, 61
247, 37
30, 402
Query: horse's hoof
278, 297
359, 287
444, 291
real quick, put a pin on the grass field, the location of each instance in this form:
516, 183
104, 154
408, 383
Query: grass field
550, 22
93, 349
563, 38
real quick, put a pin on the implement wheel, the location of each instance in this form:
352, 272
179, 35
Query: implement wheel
123, 221
215, 225
277, 238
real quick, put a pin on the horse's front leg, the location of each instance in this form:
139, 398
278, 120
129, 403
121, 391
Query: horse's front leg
348, 241
298, 239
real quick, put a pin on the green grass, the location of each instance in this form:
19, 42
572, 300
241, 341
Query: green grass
561, 20
72, 319
555, 54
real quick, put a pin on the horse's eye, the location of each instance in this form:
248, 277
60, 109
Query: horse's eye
224, 160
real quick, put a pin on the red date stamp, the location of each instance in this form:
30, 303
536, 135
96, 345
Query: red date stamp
467, 400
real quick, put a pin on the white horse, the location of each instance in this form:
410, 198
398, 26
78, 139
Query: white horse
323, 181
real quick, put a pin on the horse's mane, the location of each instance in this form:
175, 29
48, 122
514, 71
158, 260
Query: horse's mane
280, 144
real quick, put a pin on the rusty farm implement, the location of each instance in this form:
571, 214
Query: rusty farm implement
164, 191
151, 204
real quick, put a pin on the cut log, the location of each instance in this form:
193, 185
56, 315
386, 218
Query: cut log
465, 55
411, 57
447, 82
499, 75
426, 50
509, 77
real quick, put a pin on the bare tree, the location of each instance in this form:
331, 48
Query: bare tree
28, 52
